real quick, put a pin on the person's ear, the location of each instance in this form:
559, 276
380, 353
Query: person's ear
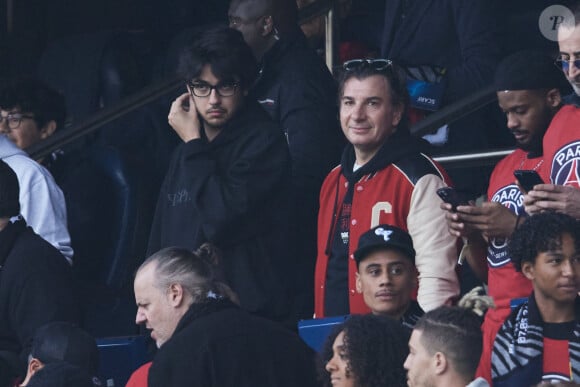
267, 25
34, 365
415, 275
175, 295
48, 129
554, 98
358, 282
528, 270
439, 363
397, 114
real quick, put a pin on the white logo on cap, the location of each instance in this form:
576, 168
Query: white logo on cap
385, 233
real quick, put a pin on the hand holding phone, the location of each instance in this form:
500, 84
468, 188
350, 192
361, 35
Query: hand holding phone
451, 196
527, 178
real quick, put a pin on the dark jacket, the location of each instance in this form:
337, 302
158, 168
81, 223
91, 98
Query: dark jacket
296, 88
458, 35
218, 344
36, 287
232, 192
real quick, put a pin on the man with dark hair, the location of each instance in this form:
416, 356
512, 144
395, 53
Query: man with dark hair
62, 341
540, 340
444, 349
31, 97
527, 85
384, 178
29, 112
36, 284
386, 274
294, 87
227, 181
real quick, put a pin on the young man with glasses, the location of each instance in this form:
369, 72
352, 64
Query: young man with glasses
226, 183
384, 178
30, 111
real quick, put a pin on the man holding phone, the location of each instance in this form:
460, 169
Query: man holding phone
527, 85
227, 181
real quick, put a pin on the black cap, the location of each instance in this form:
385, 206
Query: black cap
387, 237
63, 341
9, 192
528, 70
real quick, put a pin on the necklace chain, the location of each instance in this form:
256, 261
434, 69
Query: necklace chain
535, 167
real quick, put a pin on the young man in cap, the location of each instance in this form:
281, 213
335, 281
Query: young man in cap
527, 89
386, 274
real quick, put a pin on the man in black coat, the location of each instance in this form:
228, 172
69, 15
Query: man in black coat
298, 91
227, 182
36, 284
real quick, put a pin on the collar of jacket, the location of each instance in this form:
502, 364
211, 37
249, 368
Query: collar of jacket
200, 309
535, 316
399, 145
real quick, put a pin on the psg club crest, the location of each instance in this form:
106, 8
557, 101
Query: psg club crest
511, 197
565, 165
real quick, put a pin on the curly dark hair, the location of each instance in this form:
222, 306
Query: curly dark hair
225, 50
541, 233
376, 348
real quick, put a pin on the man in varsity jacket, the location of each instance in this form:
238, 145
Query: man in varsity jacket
384, 178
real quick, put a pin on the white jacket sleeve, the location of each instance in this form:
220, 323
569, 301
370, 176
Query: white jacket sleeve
42, 203
436, 248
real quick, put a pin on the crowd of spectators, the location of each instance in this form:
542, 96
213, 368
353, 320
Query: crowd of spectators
261, 221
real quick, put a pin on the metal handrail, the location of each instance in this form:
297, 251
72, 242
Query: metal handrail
487, 157
102, 117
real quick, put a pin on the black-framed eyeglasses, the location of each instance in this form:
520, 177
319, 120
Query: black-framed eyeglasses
374, 64
203, 89
564, 64
13, 120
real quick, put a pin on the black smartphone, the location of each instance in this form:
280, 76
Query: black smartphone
451, 196
527, 178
